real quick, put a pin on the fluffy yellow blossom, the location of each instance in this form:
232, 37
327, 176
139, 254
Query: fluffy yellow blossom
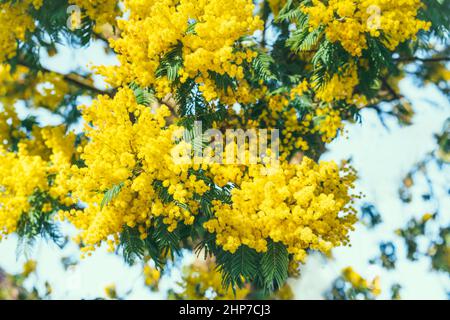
299, 89
111, 291
297, 128
303, 206
48, 90
9, 124
204, 31
427, 216
41, 90
313, 197
328, 123
15, 22
39, 166
285, 293
20, 175
139, 159
102, 12
349, 21
354, 278
341, 86
242, 94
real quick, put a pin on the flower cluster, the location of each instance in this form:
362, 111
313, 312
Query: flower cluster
44, 89
359, 283
47, 90
104, 12
303, 206
9, 124
29, 267
202, 281
327, 123
205, 32
33, 178
152, 277
15, 22
296, 127
341, 87
140, 161
348, 21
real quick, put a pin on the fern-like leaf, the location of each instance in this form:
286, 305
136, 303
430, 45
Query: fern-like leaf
303, 40
262, 64
144, 96
238, 267
131, 244
110, 194
274, 266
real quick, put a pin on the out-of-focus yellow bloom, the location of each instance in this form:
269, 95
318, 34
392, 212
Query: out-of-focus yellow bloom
152, 277
29, 267
202, 281
111, 291
15, 22
358, 282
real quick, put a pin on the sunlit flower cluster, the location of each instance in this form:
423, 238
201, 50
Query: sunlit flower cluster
348, 21
304, 206
9, 123
15, 22
38, 168
204, 31
141, 158
43, 90
152, 276
29, 267
137, 159
296, 127
341, 87
102, 12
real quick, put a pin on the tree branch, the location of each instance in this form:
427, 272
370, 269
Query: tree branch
412, 59
85, 84
73, 78
391, 90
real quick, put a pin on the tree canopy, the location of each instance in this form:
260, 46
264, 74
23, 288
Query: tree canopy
111, 168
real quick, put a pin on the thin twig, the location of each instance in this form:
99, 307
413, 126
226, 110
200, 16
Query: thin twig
412, 59
73, 78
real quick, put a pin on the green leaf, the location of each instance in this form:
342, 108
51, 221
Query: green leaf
238, 267
263, 64
223, 82
303, 40
191, 28
111, 194
292, 13
133, 247
274, 266
144, 96
171, 63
